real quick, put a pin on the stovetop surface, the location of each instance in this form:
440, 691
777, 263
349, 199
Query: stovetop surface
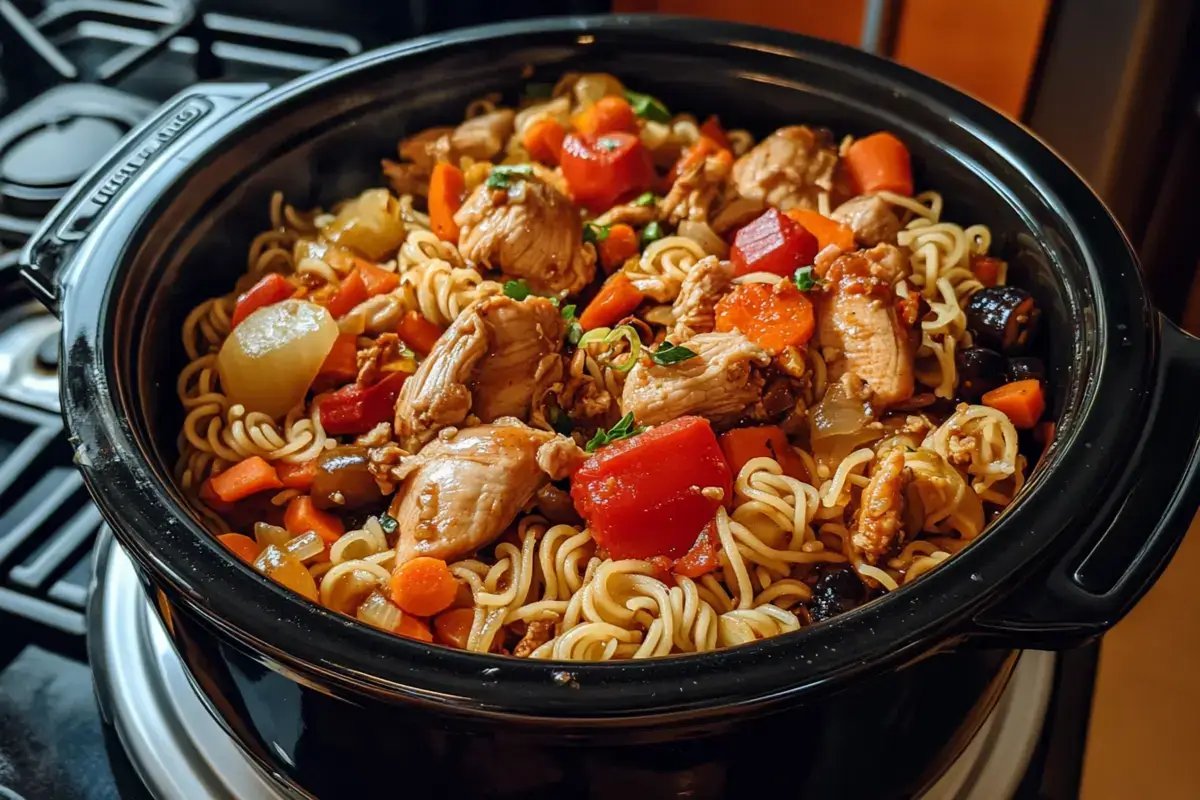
74, 76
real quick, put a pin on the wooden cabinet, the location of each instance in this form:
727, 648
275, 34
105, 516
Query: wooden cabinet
985, 47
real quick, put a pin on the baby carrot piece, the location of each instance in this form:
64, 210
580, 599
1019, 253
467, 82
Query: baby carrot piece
302, 516
423, 586
828, 231
418, 333
412, 628
620, 244
607, 115
376, 279
447, 186
742, 445
880, 162
543, 141
617, 298
774, 317
298, 476
1021, 401
249, 476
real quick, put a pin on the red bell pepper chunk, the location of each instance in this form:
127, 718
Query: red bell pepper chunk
355, 409
642, 497
600, 169
773, 243
704, 557
272, 289
352, 291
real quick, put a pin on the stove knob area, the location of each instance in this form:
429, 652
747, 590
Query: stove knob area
47, 352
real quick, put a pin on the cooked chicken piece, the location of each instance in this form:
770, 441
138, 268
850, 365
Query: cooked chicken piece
456, 380
468, 486
879, 524
387, 350
857, 321
695, 308
418, 155
629, 214
735, 213
693, 193
788, 169
378, 436
537, 633
483, 137
871, 219
531, 231
720, 383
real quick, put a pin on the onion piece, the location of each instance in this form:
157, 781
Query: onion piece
839, 414
286, 569
305, 546
378, 611
370, 224
268, 361
266, 535
703, 235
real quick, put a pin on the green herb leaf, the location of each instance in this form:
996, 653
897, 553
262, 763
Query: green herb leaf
608, 143
388, 523
668, 354
651, 233
539, 91
644, 199
806, 281
648, 107
574, 332
517, 290
622, 430
595, 233
568, 312
502, 175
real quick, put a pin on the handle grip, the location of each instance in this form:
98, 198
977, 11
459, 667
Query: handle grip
1110, 567
49, 252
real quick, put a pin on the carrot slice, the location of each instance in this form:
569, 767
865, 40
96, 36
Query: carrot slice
351, 292
620, 245
713, 130
742, 445
880, 162
423, 586
987, 269
828, 231
774, 317
418, 333
376, 279
543, 140
453, 627
242, 546
447, 187
617, 298
302, 516
411, 627
210, 499
249, 476
298, 476
609, 114
1021, 401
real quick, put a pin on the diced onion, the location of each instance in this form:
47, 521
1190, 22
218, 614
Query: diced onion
370, 224
286, 569
347, 585
305, 546
268, 361
703, 235
266, 535
377, 610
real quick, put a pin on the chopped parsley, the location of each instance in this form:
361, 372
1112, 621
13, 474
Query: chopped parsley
644, 199
806, 281
517, 290
595, 233
668, 354
651, 233
608, 143
568, 312
574, 332
502, 175
388, 523
622, 430
648, 107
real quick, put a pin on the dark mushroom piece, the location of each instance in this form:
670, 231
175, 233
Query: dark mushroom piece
343, 481
1023, 368
1003, 318
836, 592
979, 371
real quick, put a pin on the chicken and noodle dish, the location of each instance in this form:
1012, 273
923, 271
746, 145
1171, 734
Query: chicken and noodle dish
587, 379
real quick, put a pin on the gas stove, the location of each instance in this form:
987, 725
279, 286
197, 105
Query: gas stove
75, 75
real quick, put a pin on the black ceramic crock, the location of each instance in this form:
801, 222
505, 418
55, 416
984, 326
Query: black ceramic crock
873, 704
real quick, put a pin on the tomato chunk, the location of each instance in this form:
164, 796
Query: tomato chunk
270, 290
773, 243
355, 409
642, 497
704, 557
600, 169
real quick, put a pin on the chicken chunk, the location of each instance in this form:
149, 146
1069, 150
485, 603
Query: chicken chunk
695, 308
692, 195
723, 382
637, 216
468, 486
880, 521
857, 320
537, 633
788, 169
871, 219
531, 231
483, 137
456, 380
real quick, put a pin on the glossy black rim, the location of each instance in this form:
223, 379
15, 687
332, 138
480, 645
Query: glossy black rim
1110, 384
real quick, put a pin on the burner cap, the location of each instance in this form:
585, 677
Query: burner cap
57, 155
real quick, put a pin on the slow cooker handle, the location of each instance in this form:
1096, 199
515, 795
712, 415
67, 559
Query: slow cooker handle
1110, 567
49, 254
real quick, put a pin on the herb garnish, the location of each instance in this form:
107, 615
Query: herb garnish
517, 290
622, 430
806, 281
502, 175
574, 329
644, 199
651, 233
648, 107
568, 312
608, 143
595, 233
388, 523
668, 354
